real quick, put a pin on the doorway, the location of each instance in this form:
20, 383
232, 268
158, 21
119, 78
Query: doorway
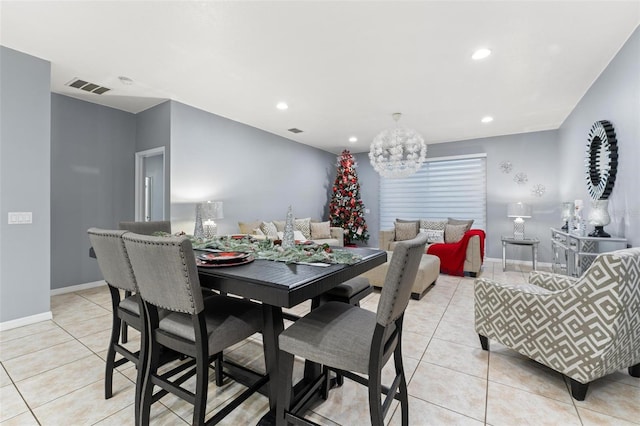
149, 190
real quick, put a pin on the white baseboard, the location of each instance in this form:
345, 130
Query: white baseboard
518, 262
72, 288
20, 322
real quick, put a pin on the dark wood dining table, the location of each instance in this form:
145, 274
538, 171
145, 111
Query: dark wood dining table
280, 285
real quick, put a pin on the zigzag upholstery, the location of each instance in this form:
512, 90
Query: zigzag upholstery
584, 328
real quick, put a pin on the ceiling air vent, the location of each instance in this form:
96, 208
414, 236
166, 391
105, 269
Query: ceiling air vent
294, 130
87, 87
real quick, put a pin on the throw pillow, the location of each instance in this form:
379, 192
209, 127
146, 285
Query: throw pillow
297, 235
320, 230
269, 229
258, 232
454, 233
405, 231
304, 226
434, 235
437, 224
415, 222
279, 224
248, 227
468, 223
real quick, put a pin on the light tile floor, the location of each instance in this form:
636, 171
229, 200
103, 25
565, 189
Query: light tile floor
53, 372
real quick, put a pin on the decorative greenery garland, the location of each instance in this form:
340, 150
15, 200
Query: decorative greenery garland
267, 249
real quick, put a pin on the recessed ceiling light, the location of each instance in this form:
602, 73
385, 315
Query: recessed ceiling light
481, 54
282, 106
487, 119
353, 139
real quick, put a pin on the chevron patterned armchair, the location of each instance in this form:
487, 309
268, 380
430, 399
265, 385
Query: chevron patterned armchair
584, 328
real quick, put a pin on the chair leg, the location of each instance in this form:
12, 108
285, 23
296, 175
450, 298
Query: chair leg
484, 342
375, 395
125, 330
202, 381
111, 358
285, 373
578, 390
115, 337
327, 382
218, 369
634, 370
402, 388
146, 395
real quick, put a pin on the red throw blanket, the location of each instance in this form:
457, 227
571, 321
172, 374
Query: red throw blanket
452, 255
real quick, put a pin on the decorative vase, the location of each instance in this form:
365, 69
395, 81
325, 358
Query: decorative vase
288, 239
599, 217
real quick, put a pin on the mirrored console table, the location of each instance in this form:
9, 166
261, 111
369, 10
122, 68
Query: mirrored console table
573, 254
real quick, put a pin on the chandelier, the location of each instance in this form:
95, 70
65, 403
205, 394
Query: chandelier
397, 152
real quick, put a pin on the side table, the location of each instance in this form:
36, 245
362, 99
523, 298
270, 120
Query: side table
533, 242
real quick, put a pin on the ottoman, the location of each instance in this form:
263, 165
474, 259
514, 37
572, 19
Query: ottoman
427, 275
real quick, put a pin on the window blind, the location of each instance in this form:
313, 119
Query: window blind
443, 187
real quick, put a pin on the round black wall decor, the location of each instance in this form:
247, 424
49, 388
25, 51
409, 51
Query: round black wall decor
602, 160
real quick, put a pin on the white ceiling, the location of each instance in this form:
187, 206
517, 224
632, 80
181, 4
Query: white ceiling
343, 67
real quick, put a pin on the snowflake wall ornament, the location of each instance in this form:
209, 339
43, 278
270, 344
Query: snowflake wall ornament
520, 178
538, 190
506, 166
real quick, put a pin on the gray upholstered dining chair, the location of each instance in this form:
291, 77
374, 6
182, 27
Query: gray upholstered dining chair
167, 277
351, 340
116, 270
146, 228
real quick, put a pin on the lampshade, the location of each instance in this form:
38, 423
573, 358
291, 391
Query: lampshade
519, 210
567, 210
397, 152
212, 210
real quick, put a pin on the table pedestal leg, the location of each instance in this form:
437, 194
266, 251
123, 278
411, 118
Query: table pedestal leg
273, 326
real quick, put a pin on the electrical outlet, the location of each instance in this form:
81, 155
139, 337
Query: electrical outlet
20, 218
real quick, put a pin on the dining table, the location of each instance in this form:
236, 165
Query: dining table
277, 285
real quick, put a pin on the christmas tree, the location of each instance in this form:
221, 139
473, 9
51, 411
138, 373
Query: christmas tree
346, 209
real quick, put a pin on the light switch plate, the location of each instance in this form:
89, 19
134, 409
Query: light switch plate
20, 218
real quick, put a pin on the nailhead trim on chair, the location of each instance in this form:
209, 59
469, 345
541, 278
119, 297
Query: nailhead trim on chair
185, 269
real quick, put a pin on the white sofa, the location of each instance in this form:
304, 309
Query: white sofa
253, 228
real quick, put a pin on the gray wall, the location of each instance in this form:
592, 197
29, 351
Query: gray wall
614, 96
25, 111
255, 173
153, 130
535, 154
92, 175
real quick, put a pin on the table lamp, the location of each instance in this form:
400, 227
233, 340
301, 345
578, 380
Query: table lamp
519, 211
206, 213
567, 213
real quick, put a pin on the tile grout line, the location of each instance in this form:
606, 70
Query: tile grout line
22, 397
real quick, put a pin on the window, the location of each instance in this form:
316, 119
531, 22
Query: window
443, 187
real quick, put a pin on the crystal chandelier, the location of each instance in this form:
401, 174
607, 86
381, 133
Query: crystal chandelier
397, 152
